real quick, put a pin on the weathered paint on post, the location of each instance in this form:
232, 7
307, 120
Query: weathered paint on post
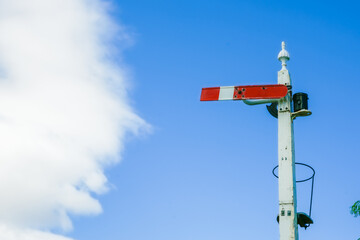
287, 180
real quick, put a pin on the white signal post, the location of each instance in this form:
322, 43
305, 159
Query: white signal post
280, 94
286, 154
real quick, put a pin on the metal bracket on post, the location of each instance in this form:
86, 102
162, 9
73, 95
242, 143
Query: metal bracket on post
300, 113
303, 219
262, 101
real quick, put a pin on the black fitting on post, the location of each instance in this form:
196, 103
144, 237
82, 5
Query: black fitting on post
300, 101
273, 109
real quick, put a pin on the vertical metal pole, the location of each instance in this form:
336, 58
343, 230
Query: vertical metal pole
287, 181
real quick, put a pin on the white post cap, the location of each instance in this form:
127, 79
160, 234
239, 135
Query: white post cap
283, 56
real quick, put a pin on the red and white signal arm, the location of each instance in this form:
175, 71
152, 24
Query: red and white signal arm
272, 91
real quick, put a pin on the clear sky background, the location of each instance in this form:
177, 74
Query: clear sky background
204, 173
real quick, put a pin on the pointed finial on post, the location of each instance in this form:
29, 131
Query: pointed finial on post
283, 56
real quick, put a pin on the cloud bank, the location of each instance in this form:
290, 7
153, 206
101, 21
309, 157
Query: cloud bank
64, 112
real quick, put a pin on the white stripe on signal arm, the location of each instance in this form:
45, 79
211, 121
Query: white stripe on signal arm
226, 93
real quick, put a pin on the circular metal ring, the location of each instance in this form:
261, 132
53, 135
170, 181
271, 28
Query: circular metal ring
304, 180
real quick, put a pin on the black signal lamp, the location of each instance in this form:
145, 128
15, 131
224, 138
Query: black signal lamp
300, 101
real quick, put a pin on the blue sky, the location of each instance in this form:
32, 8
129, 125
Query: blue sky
205, 171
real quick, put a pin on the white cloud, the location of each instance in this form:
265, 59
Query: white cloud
12, 233
63, 112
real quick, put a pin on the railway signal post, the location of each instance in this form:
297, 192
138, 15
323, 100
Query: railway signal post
280, 95
286, 157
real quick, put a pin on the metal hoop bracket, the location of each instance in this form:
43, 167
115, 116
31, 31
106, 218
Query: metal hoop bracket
303, 164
